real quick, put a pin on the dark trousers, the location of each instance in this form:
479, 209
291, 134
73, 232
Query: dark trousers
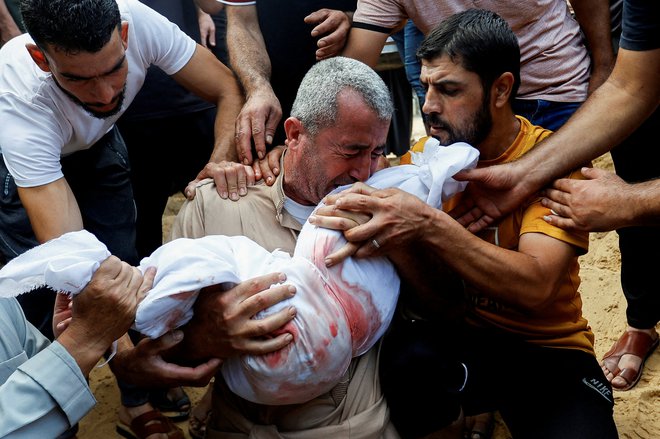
637, 159
539, 392
166, 154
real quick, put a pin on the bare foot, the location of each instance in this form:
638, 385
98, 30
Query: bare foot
631, 352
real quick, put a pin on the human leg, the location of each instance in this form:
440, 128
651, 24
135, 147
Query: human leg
418, 377
165, 154
557, 393
540, 392
636, 159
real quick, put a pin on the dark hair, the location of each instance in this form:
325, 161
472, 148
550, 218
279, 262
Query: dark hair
480, 41
71, 25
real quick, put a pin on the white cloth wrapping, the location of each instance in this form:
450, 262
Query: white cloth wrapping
341, 311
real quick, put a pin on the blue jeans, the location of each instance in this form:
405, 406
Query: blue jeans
548, 114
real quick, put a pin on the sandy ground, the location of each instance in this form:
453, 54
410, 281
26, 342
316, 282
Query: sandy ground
637, 412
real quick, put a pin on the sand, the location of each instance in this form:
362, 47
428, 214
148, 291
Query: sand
636, 411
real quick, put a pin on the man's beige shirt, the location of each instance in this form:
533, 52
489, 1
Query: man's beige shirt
356, 407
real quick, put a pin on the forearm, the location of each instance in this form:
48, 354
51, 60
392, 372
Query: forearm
52, 209
85, 350
247, 50
228, 108
44, 396
525, 284
8, 27
364, 45
594, 19
610, 115
643, 199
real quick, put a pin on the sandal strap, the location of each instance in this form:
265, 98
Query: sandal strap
157, 423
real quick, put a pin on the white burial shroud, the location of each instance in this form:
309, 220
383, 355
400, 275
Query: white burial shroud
341, 311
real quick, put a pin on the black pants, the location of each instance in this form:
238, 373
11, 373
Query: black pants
166, 154
637, 159
539, 392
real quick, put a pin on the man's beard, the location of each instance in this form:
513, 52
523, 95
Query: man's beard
474, 132
98, 114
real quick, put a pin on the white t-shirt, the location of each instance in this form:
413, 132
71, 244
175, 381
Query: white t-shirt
40, 124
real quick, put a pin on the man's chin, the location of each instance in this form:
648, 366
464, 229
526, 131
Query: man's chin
103, 114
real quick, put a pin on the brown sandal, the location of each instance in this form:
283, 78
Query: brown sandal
151, 422
637, 343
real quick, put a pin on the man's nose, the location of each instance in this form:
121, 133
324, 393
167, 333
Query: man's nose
431, 103
362, 169
103, 92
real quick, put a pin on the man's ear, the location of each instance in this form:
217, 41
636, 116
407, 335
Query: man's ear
293, 129
124, 33
38, 56
502, 89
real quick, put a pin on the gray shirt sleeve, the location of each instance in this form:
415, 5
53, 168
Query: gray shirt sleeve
43, 391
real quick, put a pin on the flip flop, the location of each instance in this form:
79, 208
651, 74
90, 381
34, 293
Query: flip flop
639, 344
151, 422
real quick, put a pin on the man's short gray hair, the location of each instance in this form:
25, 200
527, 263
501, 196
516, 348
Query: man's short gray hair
316, 102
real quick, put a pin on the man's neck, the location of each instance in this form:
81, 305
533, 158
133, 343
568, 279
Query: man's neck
501, 137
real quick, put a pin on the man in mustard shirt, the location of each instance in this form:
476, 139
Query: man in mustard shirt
527, 347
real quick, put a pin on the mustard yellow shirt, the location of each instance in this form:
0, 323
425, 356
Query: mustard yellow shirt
561, 323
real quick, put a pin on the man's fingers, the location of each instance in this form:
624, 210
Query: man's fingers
330, 217
480, 224
348, 250
258, 130
561, 222
265, 346
147, 282
164, 342
251, 287
243, 139
267, 298
270, 166
189, 191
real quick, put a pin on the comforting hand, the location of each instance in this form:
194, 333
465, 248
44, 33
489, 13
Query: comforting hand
223, 323
206, 29
145, 365
62, 313
596, 204
231, 179
396, 219
492, 192
268, 168
334, 26
103, 311
257, 122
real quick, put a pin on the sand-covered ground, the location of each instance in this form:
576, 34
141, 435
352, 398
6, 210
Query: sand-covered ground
637, 412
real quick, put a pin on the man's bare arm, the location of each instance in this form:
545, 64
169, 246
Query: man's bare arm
594, 19
52, 209
8, 27
632, 88
262, 111
365, 45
